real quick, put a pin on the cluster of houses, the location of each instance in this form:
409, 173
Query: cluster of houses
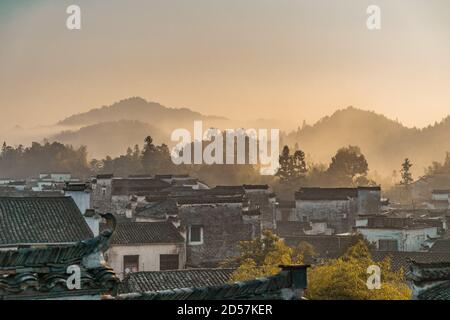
148, 237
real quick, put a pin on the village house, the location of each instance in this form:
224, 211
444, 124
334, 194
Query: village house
52, 181
41, 241
398, 234
101, 193
338, 206
145, 246
285, 211
422, 188
41, 221
80, 193
440, 199
214, 226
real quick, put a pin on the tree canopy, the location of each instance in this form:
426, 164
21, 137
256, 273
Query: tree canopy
336, 279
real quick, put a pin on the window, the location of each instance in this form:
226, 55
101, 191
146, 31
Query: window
195, 234
387, 245
130, 264
168, 262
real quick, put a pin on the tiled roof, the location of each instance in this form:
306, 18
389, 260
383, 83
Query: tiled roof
169, 280
326, 247
439, 292
286, 204
292, 228
400, 259
441, 191
76, 187
441, 245
431, 281
158, 209
42, 272
326, 193
226, 190
105, 176
136, 233
256, 186
32, 220
137, 186
210, 200
268, 288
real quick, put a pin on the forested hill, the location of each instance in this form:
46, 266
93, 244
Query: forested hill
384, 142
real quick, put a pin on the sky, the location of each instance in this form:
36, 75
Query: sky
291, 60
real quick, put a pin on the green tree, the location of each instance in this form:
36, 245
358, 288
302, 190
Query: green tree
284, 169
292, 167
345, 278
405, 173
304, 253
349, 167
260, 257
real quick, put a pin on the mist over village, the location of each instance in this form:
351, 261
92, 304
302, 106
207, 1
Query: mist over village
217, 159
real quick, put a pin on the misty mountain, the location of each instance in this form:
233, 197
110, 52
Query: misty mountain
110, 138
139, 109
386, 143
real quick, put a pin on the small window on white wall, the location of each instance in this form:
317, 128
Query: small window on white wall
195, 234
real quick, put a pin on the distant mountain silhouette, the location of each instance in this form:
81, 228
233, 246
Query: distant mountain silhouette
110, 138
386, 143
137, 108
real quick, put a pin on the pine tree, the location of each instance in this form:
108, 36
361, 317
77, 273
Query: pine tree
406, 173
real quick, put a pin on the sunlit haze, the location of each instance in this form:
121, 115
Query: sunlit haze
288, 60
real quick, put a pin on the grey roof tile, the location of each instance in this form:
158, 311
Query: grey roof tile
32, 220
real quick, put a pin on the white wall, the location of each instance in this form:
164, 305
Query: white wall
148, 256
407, 239
82, 199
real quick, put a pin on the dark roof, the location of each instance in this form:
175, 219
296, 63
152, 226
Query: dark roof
105, 176
169, 280
171, 176
400, 259
326, 247
158, 209
76, 187
226, 190
441, 245
42, 272
137, 186
267, 288
370, 188
326, 193
286, 204
210, 200
292, 228
431, 280
439, 292
136, 233
441, 191
32, 220
256, 187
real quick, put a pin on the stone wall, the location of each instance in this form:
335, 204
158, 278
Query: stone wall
223, 229
340, 214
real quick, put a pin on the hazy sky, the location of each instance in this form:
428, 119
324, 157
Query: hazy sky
245, 59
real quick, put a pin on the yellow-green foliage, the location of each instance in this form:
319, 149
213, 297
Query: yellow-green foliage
345, 278
338, 279
261, 257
